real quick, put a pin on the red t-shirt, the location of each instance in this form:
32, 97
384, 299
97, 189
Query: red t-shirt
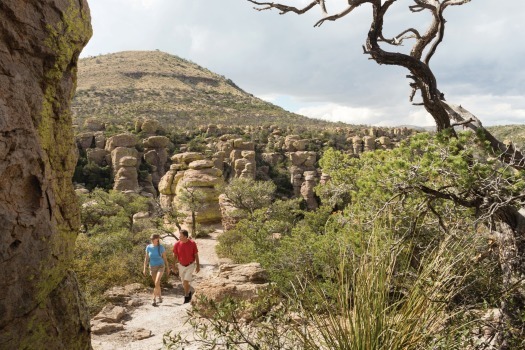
185, 251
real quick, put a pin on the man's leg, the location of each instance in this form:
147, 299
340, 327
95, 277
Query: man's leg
186, 286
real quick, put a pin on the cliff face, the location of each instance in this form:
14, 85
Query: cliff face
40, 304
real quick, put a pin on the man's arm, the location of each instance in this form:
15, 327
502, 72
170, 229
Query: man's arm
198, 267
175, 261
165, 258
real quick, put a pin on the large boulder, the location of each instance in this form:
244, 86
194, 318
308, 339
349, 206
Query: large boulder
121, 152
293, 143
156, 142
93, 124
97, 156
127, 177
40, 303
186, 158
85, 140
239, 281
192, 173
121, 140
307, 189
272, 158
100, 140
150, 126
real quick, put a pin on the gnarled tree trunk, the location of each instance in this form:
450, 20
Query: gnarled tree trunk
40, 303
511, 242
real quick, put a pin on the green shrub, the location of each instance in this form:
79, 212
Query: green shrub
109, 251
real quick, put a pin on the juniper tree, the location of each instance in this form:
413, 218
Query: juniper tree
503, 210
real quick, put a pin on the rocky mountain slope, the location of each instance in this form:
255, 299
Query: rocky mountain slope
121, 87
514, 133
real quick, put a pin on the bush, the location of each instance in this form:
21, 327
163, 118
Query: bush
108, 251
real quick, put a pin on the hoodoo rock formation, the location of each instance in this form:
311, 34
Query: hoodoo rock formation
41, 306
190, 171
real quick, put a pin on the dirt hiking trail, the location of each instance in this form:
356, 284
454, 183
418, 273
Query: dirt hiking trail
170, 315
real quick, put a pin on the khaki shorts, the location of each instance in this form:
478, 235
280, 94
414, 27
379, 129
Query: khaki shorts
153, 270
186, 272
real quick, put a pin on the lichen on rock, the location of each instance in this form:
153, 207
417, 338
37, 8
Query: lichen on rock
41, 303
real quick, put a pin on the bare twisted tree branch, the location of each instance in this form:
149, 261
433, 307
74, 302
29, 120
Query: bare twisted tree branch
423, 79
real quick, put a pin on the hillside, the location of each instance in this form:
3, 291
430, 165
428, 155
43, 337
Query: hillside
123, 86
514, 133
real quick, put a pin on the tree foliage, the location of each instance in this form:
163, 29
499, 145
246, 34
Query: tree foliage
109, 249
248, 195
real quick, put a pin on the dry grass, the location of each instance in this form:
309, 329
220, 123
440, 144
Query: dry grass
122, 86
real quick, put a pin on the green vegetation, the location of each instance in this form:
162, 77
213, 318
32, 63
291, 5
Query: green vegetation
110, 248
247, 195
394, 258
514, 133
400, 249
192, 199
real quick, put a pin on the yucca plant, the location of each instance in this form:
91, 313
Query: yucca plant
372, 313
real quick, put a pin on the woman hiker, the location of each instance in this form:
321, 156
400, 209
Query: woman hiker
186, 257
157, 260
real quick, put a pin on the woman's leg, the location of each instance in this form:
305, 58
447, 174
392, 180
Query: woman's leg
156, 291
154, 275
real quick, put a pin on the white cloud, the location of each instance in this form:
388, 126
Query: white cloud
338, 113
495, 110
479, 62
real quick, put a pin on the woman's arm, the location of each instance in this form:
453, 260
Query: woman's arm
146, 261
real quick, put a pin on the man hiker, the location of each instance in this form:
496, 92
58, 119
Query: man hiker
186, 259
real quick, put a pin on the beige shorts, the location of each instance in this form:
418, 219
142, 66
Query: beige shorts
186, 272
153, 270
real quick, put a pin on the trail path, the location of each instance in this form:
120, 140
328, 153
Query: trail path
170, 315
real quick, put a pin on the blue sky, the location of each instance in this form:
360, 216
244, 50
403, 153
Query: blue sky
322, 72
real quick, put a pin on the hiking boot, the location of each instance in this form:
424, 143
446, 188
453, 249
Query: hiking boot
154, 303
190, 295
187, 299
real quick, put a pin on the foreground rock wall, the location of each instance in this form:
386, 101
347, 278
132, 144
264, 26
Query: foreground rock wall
40, 304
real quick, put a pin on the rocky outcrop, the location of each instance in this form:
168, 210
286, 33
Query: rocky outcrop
126, 178
229, 220
93, 124
302, 162
242, 282
242, 159
385, 142
156, 155
147, 126
41, 306
121, 140
307, 189
125, 160
191, 173
357, 145
85, 140
293, 143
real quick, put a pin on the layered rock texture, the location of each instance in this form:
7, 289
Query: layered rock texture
191, 174
238, 281
40, 304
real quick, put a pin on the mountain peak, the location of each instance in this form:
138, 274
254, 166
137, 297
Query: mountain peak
127, 85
